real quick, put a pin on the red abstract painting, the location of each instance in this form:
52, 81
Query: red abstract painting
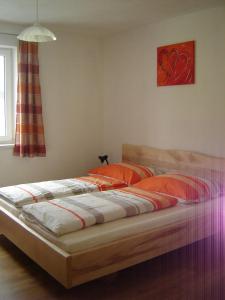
175, 64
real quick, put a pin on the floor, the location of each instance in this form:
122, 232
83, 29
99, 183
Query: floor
195, 272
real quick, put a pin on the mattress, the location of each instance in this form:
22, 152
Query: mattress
101, 234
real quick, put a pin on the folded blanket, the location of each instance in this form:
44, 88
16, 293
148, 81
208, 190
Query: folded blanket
62, 216
22, 194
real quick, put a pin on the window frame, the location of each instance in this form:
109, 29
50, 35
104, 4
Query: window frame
9, 52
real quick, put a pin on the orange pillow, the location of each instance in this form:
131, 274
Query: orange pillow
126, 172
187, 188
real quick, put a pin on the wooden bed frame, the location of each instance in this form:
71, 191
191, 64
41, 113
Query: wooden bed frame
74, 269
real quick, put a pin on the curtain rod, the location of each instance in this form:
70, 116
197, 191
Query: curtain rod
15, 34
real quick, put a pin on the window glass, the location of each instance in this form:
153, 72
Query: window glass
2, 97
7, 94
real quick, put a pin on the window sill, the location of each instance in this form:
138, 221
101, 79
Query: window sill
6, 146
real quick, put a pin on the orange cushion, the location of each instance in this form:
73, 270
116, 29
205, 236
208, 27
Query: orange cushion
126, 172
187, 188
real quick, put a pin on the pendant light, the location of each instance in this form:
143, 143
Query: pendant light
36, 32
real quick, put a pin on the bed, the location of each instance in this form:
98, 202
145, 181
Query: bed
100, 250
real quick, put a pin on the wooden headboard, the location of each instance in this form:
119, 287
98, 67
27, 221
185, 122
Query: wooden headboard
172, 159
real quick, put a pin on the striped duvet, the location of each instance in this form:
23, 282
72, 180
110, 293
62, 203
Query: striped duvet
23, 194
65, 215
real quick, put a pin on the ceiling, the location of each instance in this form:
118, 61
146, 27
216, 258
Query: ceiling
98, 16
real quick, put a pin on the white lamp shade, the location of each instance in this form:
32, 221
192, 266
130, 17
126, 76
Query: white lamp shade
36, 33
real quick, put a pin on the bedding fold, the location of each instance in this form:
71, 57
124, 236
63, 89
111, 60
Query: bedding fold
23, 194
70, 214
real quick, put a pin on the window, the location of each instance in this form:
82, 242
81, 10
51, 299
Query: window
7, 94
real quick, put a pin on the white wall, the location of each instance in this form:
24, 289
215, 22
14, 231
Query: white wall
72, 108
190, 117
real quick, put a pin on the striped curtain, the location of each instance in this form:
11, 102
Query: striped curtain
29, 139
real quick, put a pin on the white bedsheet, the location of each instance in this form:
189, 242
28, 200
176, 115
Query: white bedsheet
10, 207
